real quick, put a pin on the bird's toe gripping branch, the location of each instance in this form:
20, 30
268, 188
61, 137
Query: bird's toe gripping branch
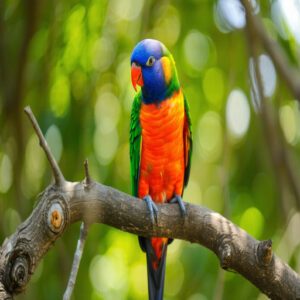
153, 210
178, 199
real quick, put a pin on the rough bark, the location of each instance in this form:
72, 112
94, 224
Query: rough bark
64, 203
59, 207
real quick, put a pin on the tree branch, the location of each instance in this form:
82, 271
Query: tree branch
58, 176
76, 261
90, 202
281, 160
73, 202
289, 74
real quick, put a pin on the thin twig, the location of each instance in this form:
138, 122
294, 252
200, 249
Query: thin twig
88, 179
76, 261
58, 176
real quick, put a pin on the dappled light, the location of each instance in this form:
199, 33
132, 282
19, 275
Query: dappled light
237, 113
70, 61
5, 173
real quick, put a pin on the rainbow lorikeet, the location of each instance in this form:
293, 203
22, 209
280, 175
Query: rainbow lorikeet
160, 145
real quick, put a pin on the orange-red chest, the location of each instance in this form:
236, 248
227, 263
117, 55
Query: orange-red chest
162, 152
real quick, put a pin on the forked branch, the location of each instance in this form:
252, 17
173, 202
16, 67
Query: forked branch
61, 206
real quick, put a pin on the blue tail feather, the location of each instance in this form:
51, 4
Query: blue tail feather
156, 277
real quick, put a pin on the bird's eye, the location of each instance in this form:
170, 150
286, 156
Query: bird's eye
150, 61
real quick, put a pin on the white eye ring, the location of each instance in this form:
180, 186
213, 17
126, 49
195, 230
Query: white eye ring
150, 61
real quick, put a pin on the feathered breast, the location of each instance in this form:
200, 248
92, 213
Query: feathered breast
162, 149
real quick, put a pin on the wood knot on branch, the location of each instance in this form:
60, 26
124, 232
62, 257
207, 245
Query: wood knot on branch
88, 180
264, 252
56, 217
225, 253
57, 214
18, 270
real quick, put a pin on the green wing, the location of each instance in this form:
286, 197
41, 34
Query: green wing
188, 141
135, 143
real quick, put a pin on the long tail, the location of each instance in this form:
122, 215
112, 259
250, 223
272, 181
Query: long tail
156, 253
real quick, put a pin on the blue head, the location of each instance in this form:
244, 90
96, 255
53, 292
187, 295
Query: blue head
153, 68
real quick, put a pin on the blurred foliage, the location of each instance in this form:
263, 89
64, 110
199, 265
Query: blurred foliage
69, 60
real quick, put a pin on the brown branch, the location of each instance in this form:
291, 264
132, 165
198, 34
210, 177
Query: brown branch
272, 132
76, 261
60, 206
58, 176
289, 74
73, 202
88, 179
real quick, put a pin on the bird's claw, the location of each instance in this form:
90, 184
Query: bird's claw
151, 207
178, 199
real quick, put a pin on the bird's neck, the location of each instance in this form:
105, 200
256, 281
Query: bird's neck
159, 92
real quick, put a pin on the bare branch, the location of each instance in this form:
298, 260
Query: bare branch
235, 248
88, 179
69, 202
288, 73
278, 153
76, 261
58, 176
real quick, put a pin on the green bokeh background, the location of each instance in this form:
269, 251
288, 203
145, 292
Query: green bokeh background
70, 61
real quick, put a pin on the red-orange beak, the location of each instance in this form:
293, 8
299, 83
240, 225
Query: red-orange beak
136, 75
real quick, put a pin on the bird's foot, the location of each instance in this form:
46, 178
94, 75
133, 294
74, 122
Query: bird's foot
151, 207
178, 199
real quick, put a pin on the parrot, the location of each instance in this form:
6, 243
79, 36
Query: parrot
160, 145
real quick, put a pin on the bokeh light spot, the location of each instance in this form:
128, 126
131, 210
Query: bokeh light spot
6, 173
74, 36
167, 27
103, 53
60, 95
192, 192
209, 134
290, 14
108, 275
35, 164
107, 112
213, 86
268, 77
127, 10
229, 15
174, 277
252, 221
39, 44
138, 280
289, 117
105, 145
196, 50
237, 113
197, 296
213, 198
54, 140
11, 219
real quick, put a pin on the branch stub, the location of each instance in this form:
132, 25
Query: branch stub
55, 218
225, 253
19, 271
264, 252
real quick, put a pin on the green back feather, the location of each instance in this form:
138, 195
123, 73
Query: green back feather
135, 143
190, 141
